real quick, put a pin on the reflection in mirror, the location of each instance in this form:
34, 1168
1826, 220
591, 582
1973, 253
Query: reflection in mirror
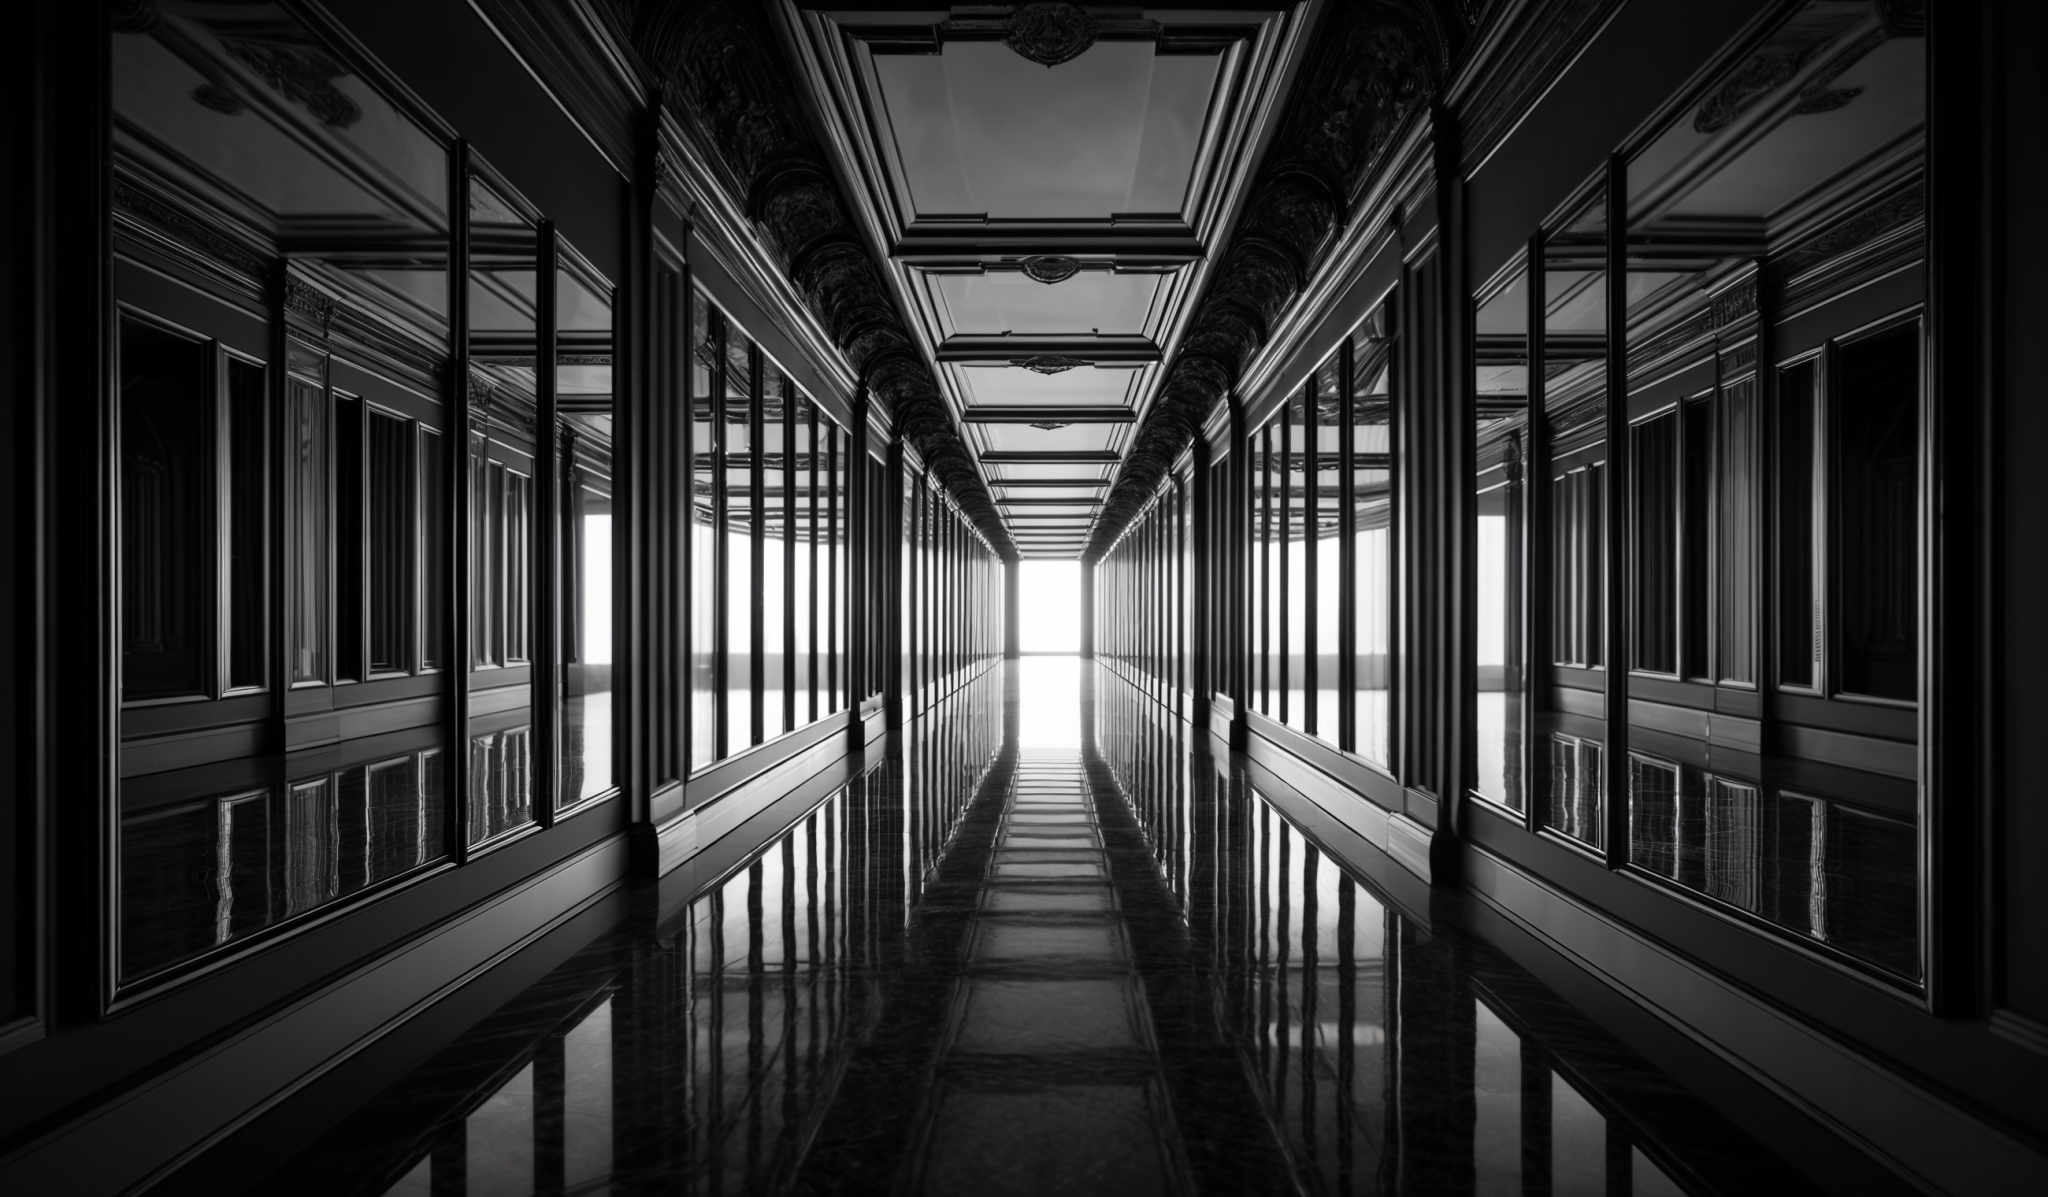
281, 240
1372, 538
1500, 514
504, 341
837, 533
777, 397
1297, 481
311, 157
1784, 212
500, 777
743, 387
1258, 631
504, 337
1327, 487
1571, 702
1827, 855
807, 600
583, 398
707, 357
214, 854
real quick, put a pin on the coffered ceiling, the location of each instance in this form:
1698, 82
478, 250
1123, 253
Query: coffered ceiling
1047, 184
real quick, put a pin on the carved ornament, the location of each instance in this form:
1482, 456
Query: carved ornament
303, 300
1050, 33
1048, 363
1050, 268
1048, 425
303, 73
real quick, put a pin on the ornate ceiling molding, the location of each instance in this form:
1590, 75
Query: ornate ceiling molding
1050, 33
718, 58
1375, 63
1049, 363
1050, 268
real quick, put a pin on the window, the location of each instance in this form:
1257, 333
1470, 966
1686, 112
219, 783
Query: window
1372, 542
1501, 396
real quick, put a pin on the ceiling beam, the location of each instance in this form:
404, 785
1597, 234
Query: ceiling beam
1050, 457
1111, 349
1039, 415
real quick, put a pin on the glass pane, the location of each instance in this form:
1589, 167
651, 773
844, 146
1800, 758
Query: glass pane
1326, 479
1575, 407
705, 357
835, 568
1372, 545
504, 322
167, 513
1500, 506
741, 610
803, 535
583, 390
775, 549
1298, 476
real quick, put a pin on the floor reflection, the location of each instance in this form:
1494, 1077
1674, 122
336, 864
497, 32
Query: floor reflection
1104, 966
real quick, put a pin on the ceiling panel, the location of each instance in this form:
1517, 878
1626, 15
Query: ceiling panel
1010, 302
1081, 386
1030, 438
979, 129
1006, 494
1061, 471
1084, 510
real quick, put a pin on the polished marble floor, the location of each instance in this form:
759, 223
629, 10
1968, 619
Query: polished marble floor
1044, 944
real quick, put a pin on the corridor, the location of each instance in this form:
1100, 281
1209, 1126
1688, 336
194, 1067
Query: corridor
1045, 943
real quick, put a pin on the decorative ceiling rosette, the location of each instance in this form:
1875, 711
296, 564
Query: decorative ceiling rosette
1050, 33
1048, 363
1050, 268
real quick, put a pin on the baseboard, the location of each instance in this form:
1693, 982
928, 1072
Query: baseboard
149, 1130
1926, 1139
685, 835
1356, 832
